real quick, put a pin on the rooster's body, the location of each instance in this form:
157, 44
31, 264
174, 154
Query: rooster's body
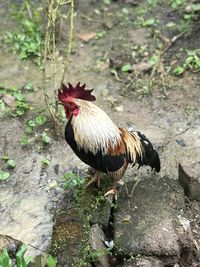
97, 141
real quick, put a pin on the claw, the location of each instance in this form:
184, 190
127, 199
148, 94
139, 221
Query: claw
112, 192
95, 179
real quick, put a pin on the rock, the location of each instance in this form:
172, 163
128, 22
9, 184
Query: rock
26, 209
67, 236
143, 262
96, 240
102, 214
154, 225
190, 182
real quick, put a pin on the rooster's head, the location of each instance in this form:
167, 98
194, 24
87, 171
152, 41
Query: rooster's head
68, 94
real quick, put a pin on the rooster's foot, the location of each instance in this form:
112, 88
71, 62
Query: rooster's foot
95, 179
112, 192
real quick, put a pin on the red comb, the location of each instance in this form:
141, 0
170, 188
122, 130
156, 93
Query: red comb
75, 92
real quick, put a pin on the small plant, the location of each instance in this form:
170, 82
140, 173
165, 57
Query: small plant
13, 102
4, 175
73, 180
26, 40
192, 62
177, 3
31, 131
126, 68
9, 162
21, 260
51, 261
151, 22
46, 139
45, 162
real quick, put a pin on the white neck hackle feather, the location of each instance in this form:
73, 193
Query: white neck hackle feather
93, 129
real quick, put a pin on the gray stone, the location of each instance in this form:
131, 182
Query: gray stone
96, 240
102, 214
12, 245
143, 262
189, 178
153, 223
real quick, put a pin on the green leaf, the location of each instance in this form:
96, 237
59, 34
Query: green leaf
171, 25
126, 67
125, 10
149, 22
5, 157
22, 261
29, 87
5, 260
196, 7
45, 161
20, 112
11, 163
45, 138
4, 175
28, 130
41, 119
19, 96
178, 70
51, 261
31, 123
154, 59
25, 140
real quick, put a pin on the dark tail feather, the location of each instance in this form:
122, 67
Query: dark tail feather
150, 155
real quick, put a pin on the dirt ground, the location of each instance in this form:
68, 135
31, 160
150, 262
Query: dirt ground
166, 110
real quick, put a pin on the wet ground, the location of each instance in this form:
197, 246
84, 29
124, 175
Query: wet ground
168, 114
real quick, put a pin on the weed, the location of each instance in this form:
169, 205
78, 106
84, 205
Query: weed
46, 138
177, 3
26, 40
20, 261
192, 62
9, 162
12, 102
4, 176
51, 261
45, 162
151, 22
75, 182
126, 68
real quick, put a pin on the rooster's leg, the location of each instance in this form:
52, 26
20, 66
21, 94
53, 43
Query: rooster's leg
112, 191
95, 179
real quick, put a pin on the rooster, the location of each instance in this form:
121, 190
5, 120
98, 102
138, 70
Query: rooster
98, 141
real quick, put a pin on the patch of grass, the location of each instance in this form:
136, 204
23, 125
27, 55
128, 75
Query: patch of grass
192, 62
36, 133
9, 162
20, 261
26, 39
151, 22
51, 261
177, 3
12, 102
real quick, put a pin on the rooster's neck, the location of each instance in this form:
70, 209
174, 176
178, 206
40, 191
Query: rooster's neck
93, 129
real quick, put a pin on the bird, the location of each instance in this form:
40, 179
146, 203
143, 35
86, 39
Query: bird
98, 141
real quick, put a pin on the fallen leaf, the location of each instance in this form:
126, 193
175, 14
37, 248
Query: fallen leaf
9, 100
86, 37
